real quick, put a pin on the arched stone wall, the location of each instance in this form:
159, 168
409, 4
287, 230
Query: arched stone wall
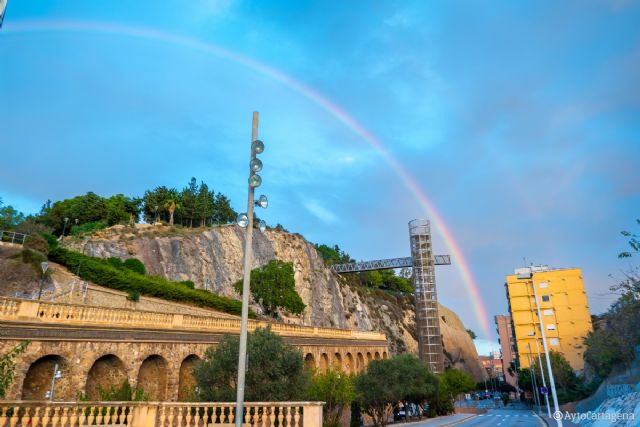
108, 370
89, 363
310, 361
384, 355
187, 382
377, 356
38, 379
336, 362
324, 362
349, 368
360, 365
152, 378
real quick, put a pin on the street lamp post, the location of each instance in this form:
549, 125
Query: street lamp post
57, 374
544, 382
64, 227
556, 406
536, 397
246, 220
44, 265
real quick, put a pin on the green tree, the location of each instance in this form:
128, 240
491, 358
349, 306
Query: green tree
404, 378
336, 390
332, 255
634, 242
8, 366
273, 286
454, 381
223, 213
189, 198
569, 386
275, 370
205, 204
171, 205
9, 217
134, 264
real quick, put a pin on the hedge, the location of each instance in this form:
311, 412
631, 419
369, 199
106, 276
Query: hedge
101, 272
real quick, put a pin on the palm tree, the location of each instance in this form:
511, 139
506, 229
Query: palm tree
171, 205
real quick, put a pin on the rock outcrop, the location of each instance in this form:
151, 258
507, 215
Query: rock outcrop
212, 259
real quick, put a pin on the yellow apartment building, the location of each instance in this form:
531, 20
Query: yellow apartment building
564, 308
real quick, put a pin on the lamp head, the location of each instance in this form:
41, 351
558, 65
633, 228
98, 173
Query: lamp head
255, 165
262, 201
255, 180
242, 220
257, 146
262, 225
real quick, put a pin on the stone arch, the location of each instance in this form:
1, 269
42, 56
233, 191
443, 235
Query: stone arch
186, 380
348, 364
360, 362
336, 363
384, 355
324, 362
377, 356
369, 357
38, 378
309, 361
105, 372
152, 378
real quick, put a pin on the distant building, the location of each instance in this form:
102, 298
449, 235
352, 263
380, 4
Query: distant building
493, 365
507, 348
564, 308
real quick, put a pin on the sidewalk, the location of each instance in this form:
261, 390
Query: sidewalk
553, 423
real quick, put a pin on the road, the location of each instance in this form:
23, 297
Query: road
505, 418
493, 418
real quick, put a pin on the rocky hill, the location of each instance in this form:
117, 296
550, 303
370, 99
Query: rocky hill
212, 259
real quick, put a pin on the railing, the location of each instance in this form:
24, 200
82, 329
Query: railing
13, 237
51, 312
157, 414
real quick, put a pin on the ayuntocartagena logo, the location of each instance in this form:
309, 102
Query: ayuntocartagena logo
593, 416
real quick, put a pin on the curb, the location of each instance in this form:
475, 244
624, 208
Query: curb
544, 420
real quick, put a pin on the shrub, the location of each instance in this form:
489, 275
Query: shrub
275, 370
189, 284
37, 243
135, 265
115, 262
133, 296
88, 227
51, 240
102, 272
273, 285
336, 390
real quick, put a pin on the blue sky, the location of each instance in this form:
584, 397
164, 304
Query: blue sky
519, 120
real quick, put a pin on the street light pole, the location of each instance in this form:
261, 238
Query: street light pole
242, 357
536, 397
44, 265
556, 406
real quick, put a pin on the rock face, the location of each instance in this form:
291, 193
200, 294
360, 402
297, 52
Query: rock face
212, 259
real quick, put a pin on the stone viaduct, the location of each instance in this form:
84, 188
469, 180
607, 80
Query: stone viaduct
97, 346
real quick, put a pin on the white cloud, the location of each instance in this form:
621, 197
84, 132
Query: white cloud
321, 212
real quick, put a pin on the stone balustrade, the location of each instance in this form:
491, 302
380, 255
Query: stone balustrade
157, 414
52, 312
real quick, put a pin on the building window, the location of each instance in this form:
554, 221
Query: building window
544, 284
545, 298
554, 341
551, 327
548, 312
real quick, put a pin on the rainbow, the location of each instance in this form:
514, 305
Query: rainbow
309, 93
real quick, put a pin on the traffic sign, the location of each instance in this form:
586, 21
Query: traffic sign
544, 390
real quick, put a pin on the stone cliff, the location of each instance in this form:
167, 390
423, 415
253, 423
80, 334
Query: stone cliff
212, 259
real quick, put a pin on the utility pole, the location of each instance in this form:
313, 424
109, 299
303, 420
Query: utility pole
536, 397
556, 406
242, 357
